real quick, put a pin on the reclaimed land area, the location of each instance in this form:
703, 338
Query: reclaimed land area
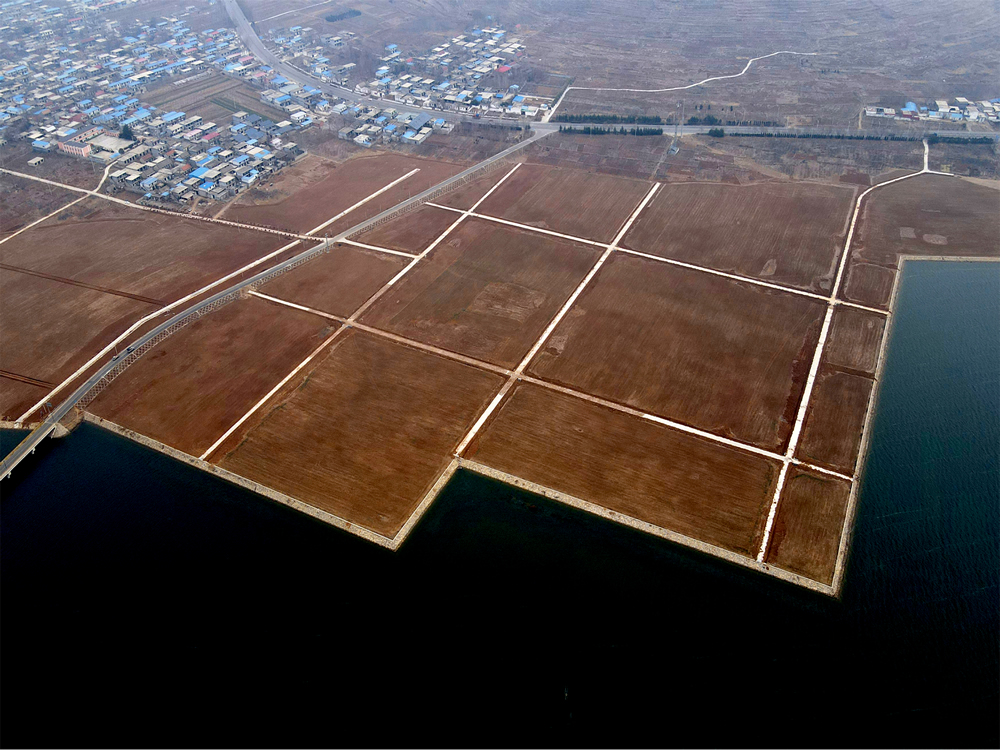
786, 232
48, 329
725, 356
592, 206
303, 196
466, 196
412, 232
806, 535
831, 435
152, 255
487, 291
366, 433
679, 482
336, 282
925, 215
190, 388
854, 340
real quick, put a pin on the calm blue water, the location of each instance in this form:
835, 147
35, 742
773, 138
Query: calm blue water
146, 603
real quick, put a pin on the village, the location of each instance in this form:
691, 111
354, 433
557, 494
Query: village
470, 74
940, 110
77, 86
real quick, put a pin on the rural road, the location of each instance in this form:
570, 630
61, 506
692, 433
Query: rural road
28, 445
248, 35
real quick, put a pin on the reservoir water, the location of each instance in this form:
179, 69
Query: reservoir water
147, 603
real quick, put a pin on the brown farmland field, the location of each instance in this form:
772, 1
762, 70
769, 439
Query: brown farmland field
679, 482
925, 215
805, 538
786, 232
152, 255
868, 284
16, 397
305, 195
337, 282
412, 232
725, 356
831, 435
25, 201
487, 291
371, 428
592, 206
466, 196
929, 215
855, 339
193, 386
49, 329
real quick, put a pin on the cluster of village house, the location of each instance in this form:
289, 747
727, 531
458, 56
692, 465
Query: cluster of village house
941, 109
78, 91
470, 74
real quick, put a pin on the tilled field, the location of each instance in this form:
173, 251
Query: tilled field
188, 390
831, 435
592, 206
337, 282
48, 329
412, 232
366, 433
652, 473
302, 197
724, 356
807, 528
788, 233
151, 255
926, 215
854, 339
487, 291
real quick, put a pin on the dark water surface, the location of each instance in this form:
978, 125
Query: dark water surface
147, 603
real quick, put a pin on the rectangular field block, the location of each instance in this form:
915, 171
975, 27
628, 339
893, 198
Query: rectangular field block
581, 204
725, 356
191, 387
487, 291
675, 481
366, 433
785, 232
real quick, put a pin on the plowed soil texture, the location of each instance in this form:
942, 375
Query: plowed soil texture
786, 232
807, 528
487, 291
303, 196
854, 340
337, 282
136, 252
571, 201
835, 419
725, 356
925, 215
686, 484
412, 232
48, 329
367, 433
193, 386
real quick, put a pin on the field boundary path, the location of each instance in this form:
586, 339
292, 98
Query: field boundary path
800, 417
750, 62
45, 428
